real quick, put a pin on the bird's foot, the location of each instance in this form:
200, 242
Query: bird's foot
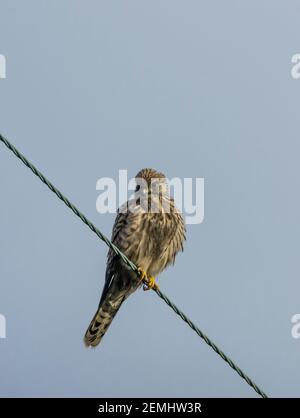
142, 276
148, 281
150, 284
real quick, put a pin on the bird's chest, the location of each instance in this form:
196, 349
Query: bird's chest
157, 234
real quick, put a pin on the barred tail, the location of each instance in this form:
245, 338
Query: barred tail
102, 319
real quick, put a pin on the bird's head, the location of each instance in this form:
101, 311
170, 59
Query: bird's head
150, 182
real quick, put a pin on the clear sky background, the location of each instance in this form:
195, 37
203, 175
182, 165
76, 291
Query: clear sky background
192, 88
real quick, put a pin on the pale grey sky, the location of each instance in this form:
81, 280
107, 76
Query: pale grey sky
195, 89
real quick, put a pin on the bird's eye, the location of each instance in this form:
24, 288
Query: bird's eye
137, 188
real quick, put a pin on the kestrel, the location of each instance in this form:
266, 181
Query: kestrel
150, 231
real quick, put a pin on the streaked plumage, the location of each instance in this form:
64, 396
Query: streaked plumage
150, 240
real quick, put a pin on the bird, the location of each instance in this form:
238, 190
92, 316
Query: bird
150, 231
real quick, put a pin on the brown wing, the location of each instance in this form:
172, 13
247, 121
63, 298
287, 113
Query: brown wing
119, 225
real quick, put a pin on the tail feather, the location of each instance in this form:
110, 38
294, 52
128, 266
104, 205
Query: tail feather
101, 321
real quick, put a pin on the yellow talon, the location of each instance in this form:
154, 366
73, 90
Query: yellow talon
151, 284
149, 281
142, 274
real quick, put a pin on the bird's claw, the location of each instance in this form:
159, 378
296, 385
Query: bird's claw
142, 274
150, 284
149, 281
